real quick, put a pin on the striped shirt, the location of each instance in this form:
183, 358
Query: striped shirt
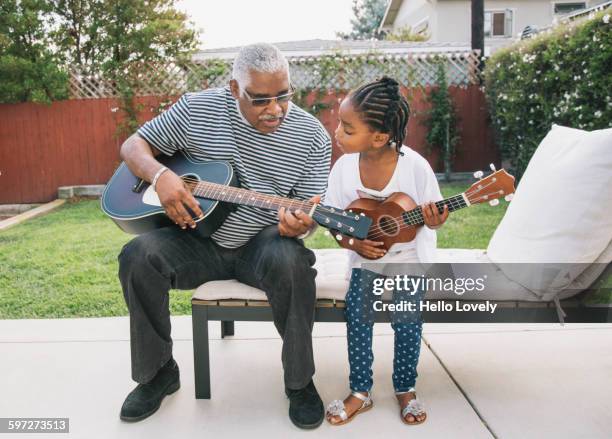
293, 161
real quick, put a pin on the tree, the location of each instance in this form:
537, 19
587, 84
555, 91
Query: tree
108, 36
118, 39
77, 24
29, 71
367, 17
122, 41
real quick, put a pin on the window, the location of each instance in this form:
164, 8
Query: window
421, 26
498, 23
566, 8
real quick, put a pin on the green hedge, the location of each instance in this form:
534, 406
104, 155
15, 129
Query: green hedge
563, 76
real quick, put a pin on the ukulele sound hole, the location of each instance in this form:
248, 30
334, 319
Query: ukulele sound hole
388, 225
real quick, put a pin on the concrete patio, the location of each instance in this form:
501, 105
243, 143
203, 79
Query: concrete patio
477, 381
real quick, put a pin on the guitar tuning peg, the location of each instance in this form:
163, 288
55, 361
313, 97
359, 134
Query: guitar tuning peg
509, 197
494, 202
339, 237
492, 166
351, 241
478, 174
362, 214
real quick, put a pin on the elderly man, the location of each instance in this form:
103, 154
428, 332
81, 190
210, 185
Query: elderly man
275, 148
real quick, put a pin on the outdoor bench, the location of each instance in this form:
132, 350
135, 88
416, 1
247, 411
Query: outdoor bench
228, 301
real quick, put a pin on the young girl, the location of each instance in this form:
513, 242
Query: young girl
372, 127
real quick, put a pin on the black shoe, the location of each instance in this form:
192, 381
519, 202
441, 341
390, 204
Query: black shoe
305, 407
145, 399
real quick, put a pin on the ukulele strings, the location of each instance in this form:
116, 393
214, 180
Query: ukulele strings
415, 215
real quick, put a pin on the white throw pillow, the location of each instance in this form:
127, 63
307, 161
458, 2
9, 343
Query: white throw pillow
561, 212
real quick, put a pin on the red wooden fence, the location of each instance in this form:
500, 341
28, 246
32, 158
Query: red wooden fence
75, 142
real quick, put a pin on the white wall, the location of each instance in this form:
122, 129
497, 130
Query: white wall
413, 11
450, 20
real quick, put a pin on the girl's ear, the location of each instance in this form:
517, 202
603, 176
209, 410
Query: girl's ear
380, 139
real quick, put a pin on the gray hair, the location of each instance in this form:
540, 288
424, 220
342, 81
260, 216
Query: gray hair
260, 57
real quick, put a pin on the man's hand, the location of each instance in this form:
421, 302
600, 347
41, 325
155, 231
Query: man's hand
433, 219
174, 196
295, 224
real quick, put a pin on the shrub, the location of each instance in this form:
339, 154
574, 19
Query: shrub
561, 76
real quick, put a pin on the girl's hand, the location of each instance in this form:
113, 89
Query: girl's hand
368, 249
433, 219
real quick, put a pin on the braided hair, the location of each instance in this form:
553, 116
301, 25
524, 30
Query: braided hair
383, 108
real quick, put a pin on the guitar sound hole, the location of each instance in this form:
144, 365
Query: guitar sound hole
190, 180
388, 225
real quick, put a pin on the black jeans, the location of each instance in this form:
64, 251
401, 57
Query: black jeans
170, 258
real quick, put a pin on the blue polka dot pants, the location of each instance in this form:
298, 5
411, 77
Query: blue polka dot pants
359, 315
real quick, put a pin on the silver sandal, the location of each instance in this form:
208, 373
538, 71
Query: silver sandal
337, 408
415, 408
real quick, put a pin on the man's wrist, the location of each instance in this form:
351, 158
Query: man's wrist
308, 232
157, 175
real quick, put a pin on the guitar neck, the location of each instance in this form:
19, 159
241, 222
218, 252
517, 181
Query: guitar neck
349, 223
246, 197
414, 217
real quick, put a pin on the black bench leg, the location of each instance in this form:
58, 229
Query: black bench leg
227, 328
201, 359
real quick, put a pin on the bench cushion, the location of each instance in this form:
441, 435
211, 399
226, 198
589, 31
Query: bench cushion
331, 266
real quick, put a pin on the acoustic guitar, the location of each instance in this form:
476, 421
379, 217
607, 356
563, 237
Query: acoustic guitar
135, 207
397, 218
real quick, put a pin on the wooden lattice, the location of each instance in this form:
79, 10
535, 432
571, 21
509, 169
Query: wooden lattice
336, 71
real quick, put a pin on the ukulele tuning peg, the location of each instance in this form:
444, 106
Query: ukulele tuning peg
478, 174
509, 197
351, 241
492, 166
339, 237
494, 202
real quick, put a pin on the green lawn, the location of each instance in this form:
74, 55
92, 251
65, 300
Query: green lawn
64, 264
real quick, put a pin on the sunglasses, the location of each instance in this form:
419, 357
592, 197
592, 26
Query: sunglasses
264, 102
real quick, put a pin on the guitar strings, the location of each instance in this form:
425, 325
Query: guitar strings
413, 215
269, 200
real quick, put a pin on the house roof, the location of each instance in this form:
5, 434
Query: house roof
305, 48
390, 14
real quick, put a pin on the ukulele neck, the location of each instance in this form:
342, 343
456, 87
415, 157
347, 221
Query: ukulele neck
414, 217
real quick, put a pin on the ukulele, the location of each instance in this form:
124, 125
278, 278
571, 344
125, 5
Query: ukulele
397, 218
134, 205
